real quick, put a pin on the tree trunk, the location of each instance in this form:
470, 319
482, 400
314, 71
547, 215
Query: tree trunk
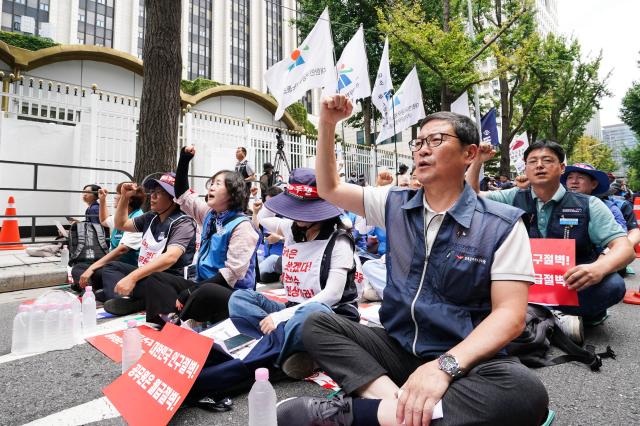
366, 119
505, 161
160, 103
445, 98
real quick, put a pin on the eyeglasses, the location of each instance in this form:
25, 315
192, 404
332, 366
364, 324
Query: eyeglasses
432, 141
546, 161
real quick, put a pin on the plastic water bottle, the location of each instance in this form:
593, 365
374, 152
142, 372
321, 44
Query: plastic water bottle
36, 329
64, 256
88, 310
52, 327
131, 345
20, 336
262, 401
66, 324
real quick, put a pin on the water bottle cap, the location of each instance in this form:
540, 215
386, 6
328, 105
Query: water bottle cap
88, 288
132, 323
262, 374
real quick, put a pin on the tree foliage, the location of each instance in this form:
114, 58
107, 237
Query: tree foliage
25, 41
592, 151
299, 114
632, 161
630, 111
193, 87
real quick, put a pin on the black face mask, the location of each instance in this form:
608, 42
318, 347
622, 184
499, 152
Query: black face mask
299, 232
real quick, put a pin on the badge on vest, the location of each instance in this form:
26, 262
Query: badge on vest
572, 210
568, 221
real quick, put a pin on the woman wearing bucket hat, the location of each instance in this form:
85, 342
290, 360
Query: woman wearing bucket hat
168, 245
225, 261
321, 271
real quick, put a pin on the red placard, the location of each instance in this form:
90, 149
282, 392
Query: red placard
110, 344
551, 259
151, 391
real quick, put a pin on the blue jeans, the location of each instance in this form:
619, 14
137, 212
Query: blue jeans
595, 300
252, 307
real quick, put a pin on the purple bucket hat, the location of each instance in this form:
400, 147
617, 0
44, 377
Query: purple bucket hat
300, 200
587, 169
166, 182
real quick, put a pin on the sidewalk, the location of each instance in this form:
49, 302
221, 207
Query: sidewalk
19, 271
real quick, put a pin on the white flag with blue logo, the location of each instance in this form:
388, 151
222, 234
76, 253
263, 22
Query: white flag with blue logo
406, 106
353, 69
383, 86
308, 67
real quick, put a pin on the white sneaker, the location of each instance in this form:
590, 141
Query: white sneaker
571, 325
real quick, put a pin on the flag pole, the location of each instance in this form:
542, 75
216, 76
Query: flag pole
395, 136
344, 151
375, 132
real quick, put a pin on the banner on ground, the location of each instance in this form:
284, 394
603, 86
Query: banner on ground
517, 147
308, 67
490, 128
151, 391
110, 344
552, 258
383, 86
406, 107
353, 69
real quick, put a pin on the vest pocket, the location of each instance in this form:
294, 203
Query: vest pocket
464, 277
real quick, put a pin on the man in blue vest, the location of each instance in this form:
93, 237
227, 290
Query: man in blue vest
553, 212
458, 272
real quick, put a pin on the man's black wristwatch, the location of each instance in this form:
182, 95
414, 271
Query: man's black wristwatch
449, 364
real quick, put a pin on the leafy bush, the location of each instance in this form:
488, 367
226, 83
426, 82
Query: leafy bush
193, 87
28, 42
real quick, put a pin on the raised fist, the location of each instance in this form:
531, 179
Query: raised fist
335, 108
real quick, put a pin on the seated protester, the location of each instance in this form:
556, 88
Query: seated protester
552, 212
446, 318
319, 271
586, 179
270, 266
168, 245
415, 183
90, 197
626, 208
225, 260
124, 245
375, 273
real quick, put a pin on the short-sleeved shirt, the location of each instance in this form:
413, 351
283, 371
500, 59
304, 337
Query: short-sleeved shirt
510, 262
603, 227
182, 234
92, 214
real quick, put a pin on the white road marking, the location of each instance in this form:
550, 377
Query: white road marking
89, 412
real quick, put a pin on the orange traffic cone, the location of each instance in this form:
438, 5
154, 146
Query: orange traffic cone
10, 232
632, 297
636, 211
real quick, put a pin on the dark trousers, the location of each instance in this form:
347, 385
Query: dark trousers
95, 280
500, 391
113, 272
595, 300
162, 292
209, 302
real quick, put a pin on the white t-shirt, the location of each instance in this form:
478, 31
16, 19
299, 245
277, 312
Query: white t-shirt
511, 262
133, 240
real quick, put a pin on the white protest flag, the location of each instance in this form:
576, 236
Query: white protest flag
353, 69
461, 105
517, 148
308, 67
383, 86
406, 107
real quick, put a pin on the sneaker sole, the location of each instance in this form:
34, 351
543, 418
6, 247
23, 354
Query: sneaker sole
122, 306
298, 366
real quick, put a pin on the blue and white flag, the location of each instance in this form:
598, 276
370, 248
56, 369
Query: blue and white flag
490, 128
353, 69
406, 107
383, 86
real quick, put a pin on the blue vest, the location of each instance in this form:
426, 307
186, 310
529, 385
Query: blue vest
213, 251
572, 206
431, 307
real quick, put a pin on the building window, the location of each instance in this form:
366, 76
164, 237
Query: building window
95, 22
199, 48
34, 11
142, 18
274, 31
240, 21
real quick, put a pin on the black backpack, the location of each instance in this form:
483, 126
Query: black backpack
542, 331
87, 243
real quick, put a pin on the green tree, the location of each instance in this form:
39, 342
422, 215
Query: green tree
590, 150
632, 161
346, 18
630, 111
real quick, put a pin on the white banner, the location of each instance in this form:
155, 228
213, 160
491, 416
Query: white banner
516, 152
308, 67
353, 70
406, 107
461, 105
383, 86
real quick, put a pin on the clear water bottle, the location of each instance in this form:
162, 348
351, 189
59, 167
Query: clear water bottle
131, 345
36, 329
64, 256
262, 401
20, 335
66, 326
88, 310
52, 327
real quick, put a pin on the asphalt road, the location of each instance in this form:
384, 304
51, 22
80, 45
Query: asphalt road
41, 385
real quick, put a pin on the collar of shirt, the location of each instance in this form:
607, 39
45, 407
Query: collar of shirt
557, 197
